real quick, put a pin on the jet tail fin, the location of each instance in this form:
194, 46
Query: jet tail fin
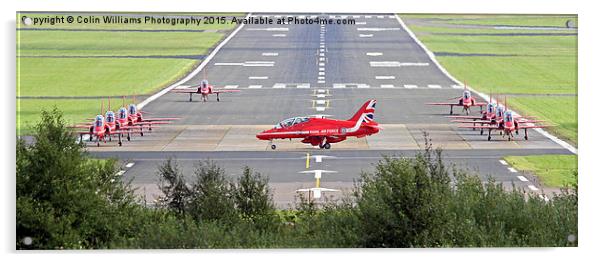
366, 111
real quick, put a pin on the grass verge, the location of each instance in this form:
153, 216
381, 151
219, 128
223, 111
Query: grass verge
552, 170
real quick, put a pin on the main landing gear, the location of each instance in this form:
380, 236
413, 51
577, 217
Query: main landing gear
325, 146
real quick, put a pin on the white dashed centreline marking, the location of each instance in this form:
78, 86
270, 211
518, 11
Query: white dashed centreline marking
512, 170
279, 35
254, 86
366, 35
374, 54
532, 187
503, 162
269, 54
410, 86
387, 86
129, 165
384, 77
434, 86
230, 86
522, 178
258, 77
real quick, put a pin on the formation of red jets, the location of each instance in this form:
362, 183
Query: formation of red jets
495, 118
128, 121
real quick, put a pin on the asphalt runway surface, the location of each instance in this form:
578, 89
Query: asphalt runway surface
284, 71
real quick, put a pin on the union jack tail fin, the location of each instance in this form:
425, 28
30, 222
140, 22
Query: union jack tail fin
366, 112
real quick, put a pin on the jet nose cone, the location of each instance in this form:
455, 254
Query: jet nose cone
261, 135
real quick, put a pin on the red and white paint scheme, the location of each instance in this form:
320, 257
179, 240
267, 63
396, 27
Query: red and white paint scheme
466, 101
321, 131
204, 89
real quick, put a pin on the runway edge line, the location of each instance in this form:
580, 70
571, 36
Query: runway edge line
431, 56
196, 70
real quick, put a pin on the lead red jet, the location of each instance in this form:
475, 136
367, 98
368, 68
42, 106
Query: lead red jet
466, 101
324, 131
204, 89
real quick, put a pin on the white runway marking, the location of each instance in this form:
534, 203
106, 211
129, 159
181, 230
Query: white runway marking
304, 85
284, 29
368, 16
279, 85
254, 86
129, 165
457, 87
321, 77
387, 86
321, 69
512, 170
321, 73
434, 86
356, 16
230, 86
532, 187
120, 173
360, 23
320, 95
368, 35
321, 102
279, 35
322, 58
269, 54
247, 63
503, 162
321, 81
384, 77
380, 16
378, 29
258, 77
321, 91
410, 86
321, 64
522, 178
321, 54
374, 54
392, 16
228, 64
338, 86
363, 86
320, 108
182, 87
394, 64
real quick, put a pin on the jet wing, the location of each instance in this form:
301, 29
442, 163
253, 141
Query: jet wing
224, 91
444, 104
185, 90
529, 127
471, 122
480, 127
479, 104
160, 119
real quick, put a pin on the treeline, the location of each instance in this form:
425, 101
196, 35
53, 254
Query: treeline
68, 200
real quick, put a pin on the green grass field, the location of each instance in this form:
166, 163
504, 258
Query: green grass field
552, 170
41, 71
561, 111
534, 64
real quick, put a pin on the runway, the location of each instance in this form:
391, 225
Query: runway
295, 70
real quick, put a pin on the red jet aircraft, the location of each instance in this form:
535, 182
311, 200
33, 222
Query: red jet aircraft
466, 101
323, 131
204, 89
508, 126
100, 130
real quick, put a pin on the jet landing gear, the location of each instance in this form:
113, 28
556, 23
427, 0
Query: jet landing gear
325, 146
217, 94
190, 98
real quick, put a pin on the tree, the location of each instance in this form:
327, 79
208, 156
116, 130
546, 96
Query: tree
176, 193
64, 198
212, 194
253, 198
